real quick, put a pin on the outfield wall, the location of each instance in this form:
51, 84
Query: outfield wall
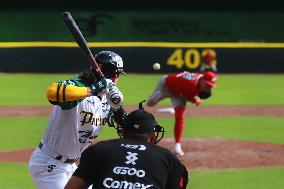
250, 42
150, 26
139, 56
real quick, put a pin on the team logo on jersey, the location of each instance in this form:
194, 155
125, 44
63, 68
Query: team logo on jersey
89, 118
105, 106
131, 158
91, 102
189, 76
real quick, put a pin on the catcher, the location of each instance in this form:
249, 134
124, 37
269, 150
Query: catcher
131, 162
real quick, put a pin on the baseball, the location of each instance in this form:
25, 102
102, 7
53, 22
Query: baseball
156, 66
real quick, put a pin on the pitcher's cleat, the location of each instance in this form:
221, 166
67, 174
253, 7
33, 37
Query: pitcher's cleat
176, 149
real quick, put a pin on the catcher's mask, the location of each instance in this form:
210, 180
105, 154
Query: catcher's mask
141, 122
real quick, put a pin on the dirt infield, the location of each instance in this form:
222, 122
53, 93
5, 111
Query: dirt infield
200, 153
212, 153
192, 111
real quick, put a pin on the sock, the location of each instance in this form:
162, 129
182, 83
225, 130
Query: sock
179, 123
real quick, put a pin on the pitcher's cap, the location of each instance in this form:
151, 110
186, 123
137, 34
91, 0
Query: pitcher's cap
210, 78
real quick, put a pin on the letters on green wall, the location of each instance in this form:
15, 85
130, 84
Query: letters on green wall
130, 26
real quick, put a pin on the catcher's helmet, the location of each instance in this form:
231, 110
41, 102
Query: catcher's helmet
110, 63
141, 121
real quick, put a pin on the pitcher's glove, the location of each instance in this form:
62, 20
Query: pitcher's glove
204, 94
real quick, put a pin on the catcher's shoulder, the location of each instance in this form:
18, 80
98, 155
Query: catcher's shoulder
162, 150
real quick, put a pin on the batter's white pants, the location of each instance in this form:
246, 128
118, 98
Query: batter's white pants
49, 173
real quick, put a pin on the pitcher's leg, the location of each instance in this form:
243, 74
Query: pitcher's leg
178, 130
179, 106
179, 123
159, 93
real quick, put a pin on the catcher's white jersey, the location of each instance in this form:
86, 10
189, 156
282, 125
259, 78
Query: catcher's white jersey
69, 132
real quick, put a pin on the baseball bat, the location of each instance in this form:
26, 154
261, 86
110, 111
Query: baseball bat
80, 40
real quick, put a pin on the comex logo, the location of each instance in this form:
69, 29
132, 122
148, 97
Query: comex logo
132, 157
111, 183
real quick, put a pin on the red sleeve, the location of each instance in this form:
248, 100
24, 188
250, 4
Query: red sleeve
182, 85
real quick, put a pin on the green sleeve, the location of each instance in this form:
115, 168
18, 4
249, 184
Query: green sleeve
71, 104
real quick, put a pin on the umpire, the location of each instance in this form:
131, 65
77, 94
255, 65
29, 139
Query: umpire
133, 162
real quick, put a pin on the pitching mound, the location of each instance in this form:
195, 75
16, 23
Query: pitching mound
217, 153
199, 152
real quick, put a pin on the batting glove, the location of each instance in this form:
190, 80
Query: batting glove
99, 88
114, 97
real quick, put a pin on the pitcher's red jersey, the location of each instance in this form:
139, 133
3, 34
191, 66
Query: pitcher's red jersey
183, 85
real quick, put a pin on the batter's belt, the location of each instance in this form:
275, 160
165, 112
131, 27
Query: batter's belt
59, 157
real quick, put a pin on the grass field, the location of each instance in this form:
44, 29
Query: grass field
25, 132
260, 89
264, 129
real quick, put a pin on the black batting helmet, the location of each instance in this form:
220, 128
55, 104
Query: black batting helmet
110, 63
